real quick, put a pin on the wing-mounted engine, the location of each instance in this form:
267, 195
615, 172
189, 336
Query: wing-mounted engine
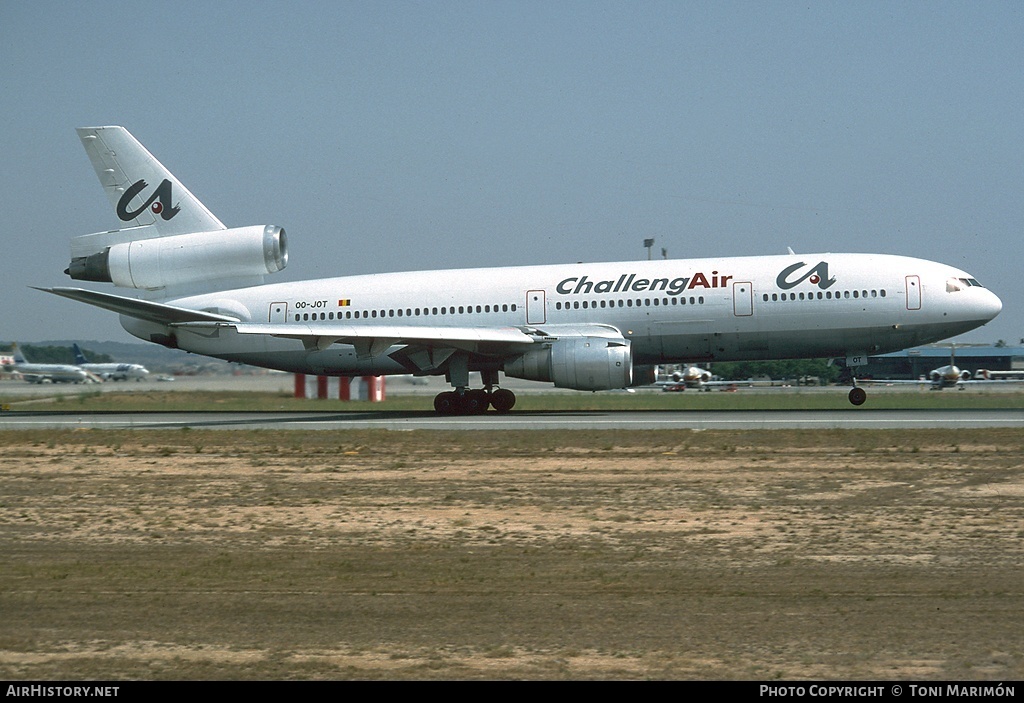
585, 359
135, 258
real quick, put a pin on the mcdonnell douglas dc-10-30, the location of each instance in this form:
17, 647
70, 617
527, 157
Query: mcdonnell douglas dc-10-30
586, 326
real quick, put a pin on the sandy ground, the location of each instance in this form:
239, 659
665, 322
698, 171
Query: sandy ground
836, 555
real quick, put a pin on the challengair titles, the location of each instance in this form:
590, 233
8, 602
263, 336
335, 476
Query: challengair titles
628, 282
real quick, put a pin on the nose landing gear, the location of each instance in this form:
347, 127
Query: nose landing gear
857, 395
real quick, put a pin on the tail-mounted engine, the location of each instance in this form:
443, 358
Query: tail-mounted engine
159, 262
580, 363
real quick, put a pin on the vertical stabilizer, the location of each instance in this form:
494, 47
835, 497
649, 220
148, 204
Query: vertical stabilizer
142, 191
169, 243
19, 357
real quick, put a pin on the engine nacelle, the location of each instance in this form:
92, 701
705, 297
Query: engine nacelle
580, 363
186, 258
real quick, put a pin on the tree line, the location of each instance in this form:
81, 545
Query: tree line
56, 355
794, 369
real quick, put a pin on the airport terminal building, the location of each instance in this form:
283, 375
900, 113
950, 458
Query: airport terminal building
919, 361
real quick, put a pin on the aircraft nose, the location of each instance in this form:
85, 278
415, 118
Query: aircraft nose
990, 305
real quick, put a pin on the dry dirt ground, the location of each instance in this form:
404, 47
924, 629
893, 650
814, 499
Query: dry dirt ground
610, 555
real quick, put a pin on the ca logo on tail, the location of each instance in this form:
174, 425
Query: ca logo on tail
159, 202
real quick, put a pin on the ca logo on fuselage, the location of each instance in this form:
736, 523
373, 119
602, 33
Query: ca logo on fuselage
159, 202
818, 275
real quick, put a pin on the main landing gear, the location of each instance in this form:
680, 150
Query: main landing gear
474, 402
463, 401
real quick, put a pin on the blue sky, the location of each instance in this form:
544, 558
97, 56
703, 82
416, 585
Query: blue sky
418, 135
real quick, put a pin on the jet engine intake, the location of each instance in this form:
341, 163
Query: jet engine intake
186, 258
580, 363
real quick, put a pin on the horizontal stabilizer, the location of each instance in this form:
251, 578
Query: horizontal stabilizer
160, 313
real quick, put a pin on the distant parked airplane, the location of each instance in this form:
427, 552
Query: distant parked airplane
696, 378
111, 371
952, 376
38, 373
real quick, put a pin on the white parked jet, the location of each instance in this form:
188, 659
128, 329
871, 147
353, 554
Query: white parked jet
695, 377
38, 373
952, 376
583, 326
110, 371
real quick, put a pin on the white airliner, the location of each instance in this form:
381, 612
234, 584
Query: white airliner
952, 376
110, 371
582, 326
695, 377
38, 373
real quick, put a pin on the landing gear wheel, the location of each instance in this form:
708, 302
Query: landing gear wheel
475, 402
858, 396
502, 400
447, 403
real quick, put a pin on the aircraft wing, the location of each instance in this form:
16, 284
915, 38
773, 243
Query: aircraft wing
426, 347
895, 382
373, 340
992, 381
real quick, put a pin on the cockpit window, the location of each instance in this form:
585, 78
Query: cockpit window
955, 284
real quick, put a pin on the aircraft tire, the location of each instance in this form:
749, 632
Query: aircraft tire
475, 402
447, 403
858, 396
502, 400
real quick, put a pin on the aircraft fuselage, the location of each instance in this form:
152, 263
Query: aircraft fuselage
671, 311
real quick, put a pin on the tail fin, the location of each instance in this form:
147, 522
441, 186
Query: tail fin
19, 358
79, 356
171, 244
143, 192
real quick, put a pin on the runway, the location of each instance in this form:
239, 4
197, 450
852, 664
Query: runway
853, 418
